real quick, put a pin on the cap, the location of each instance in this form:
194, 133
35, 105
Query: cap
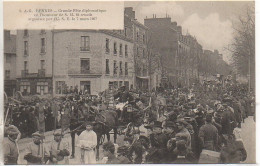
57, 133
36, 134
12, 130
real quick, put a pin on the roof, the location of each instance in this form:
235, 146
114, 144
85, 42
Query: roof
10, 44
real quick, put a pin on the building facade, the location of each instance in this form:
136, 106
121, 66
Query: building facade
140, 34
91, 60
51, 62
9, 63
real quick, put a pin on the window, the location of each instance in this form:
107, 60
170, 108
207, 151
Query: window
115, 84
42, 45
43, 31
26, 48
60, 87
42, 88
120, 83
7, 74
126, 83
25, 87
7, 59
121, 68
85, 86
144, 39
25, 65
137, 34
84, 66
143, 53
85, 43
115, 68
125, 31
107, 46
121, 49
107, 66
115, 48
126, 68
25, 32
42, 64
126, 51
137, 51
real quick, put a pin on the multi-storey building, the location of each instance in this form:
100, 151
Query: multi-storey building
141, 53
49, 62
9, 63
211, 64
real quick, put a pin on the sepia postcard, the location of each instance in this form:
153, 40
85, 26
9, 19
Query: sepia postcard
128, 82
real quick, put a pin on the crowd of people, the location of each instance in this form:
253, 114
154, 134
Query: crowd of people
180, 126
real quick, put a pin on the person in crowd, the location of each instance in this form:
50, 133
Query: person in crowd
36, 152
123, 154
87, 142
182, 153
109, 153
182, 132
10, 145
208, 135
59, 149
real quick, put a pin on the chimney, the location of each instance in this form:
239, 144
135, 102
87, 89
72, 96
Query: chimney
129, 11
155, 15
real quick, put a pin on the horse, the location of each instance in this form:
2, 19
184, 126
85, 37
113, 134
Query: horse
103, 123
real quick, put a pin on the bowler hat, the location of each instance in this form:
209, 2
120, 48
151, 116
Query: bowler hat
157, 124
144, 138
169, 124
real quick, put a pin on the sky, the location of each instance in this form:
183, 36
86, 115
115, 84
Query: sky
209, 21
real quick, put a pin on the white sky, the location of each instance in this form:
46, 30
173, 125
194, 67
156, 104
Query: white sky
210, 22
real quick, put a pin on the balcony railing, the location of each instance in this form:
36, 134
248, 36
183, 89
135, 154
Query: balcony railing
84, 48
41, 72
24, 73
84, 71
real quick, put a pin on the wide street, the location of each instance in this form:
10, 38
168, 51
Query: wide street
247, 134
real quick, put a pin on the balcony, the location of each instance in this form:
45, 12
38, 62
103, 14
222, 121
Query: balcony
84, 48
24, 73
41, 73
84, 71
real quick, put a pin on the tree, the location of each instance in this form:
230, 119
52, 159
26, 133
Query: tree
243, 44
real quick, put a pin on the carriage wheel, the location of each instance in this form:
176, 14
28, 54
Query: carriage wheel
102, 139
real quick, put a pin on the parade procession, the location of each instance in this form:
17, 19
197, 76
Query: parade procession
201, 124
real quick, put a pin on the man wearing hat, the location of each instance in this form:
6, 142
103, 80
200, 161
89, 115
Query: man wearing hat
59, 149
158, 142
10, 147
123, 154
36, 153
182, 132
87, 142
208, 134
169, 129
